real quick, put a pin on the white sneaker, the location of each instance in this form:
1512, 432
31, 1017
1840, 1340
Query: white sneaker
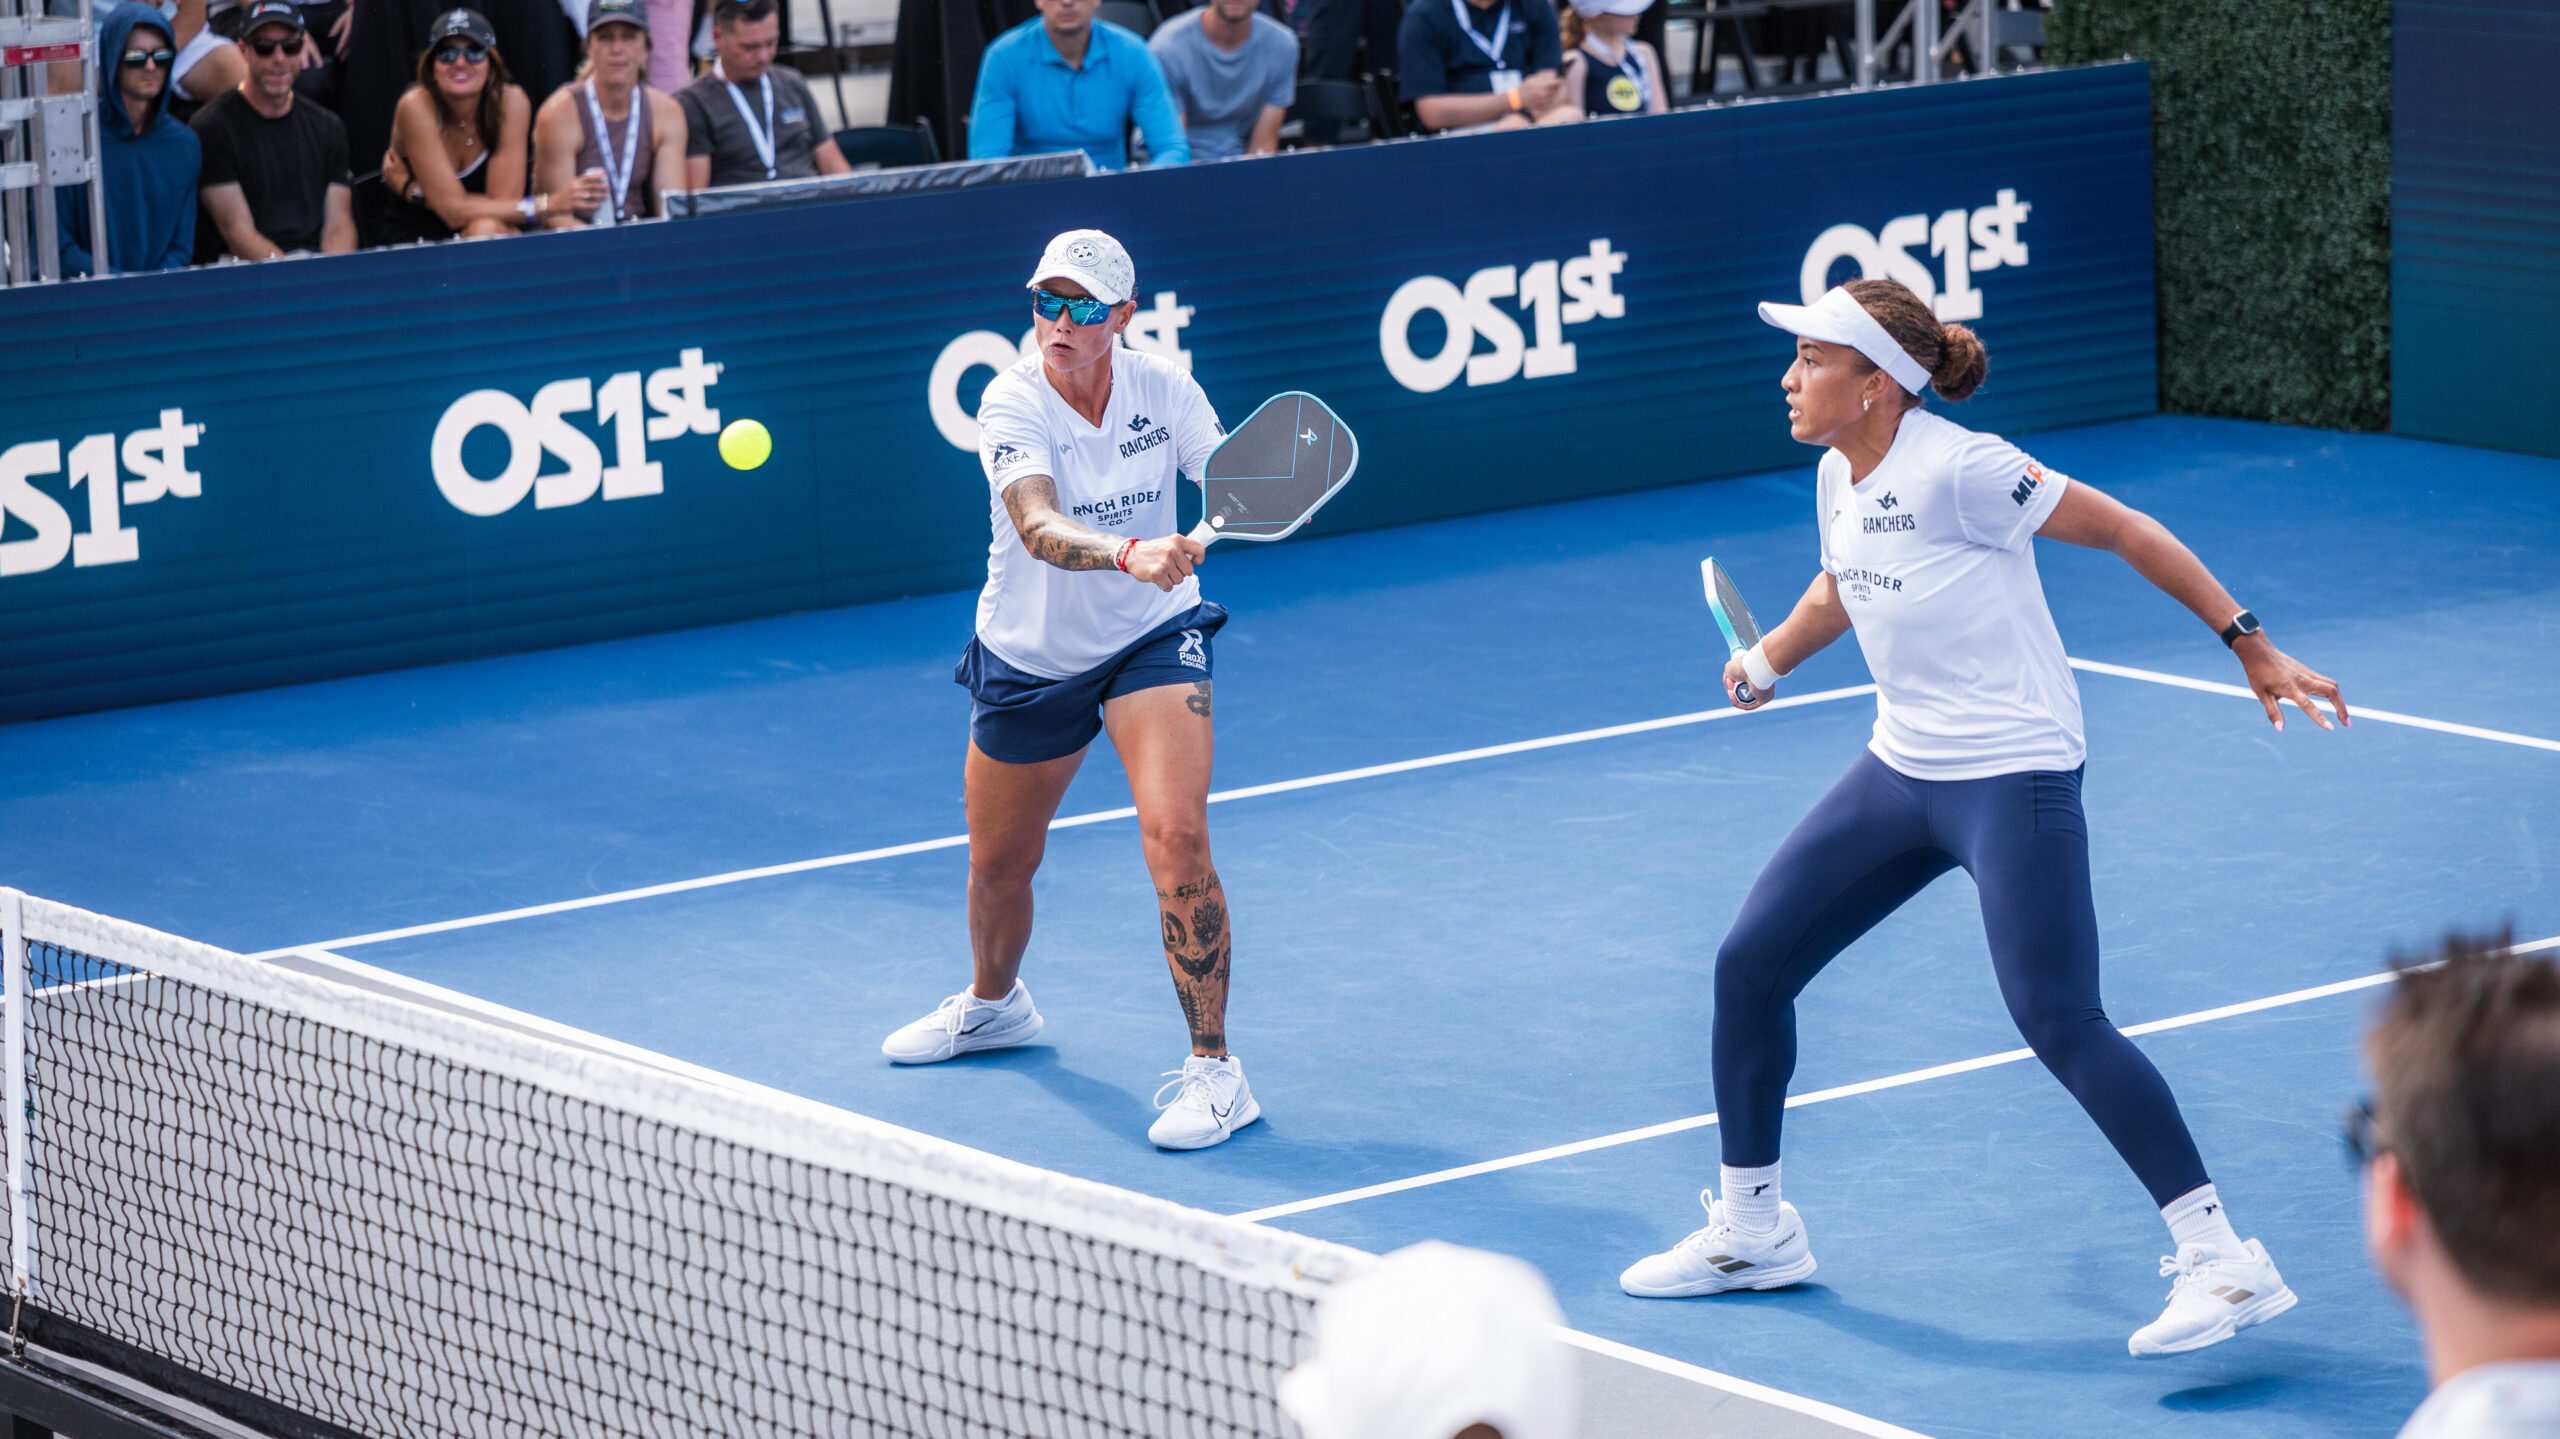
1212, 1102
2213, 1299
964, 1024
1720, 1258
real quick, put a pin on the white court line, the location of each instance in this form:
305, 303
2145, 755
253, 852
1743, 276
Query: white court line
2354, 710
1407, 766
1833, 1414
956, 841
1820, 1096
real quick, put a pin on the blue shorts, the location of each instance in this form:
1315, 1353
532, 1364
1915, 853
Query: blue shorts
1022, 718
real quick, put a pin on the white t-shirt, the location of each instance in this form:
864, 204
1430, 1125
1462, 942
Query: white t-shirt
1117, 477
2493, 1401
1934, 556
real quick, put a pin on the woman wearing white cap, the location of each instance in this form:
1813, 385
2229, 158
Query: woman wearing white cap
1606, 68
1091, 619
1926, 531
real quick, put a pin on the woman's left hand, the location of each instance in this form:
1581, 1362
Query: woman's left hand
2275, 675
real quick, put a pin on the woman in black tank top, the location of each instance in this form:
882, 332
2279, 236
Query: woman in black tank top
459, 140
1605, 67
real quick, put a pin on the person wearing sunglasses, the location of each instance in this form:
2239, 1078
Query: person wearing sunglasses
459, 143
2460, 1155
1092, 620
275, 179
147, 161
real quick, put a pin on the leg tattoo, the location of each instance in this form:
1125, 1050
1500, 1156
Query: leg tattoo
1198, 700
1197, 948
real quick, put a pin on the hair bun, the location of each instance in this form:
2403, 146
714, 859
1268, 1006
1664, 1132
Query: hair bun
1962, 363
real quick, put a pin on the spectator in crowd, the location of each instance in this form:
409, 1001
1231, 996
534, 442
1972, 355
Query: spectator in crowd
1483, 62
1232, 71
208, 61
2461, 1150
672, 26
384, 38
459, 144
275, 178
1437, 1342
750, 119
612, 129
1607, 70
1065, 81
146, 161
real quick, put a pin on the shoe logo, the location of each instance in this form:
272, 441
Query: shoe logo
1727, 1264
1139, 424
1220, 1115
2227, 1293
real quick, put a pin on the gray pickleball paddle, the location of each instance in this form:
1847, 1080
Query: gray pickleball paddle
1274, 471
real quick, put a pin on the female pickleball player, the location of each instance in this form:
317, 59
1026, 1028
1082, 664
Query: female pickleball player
1091, 619
1927, 533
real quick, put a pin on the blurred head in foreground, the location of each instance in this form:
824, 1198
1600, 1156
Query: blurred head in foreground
2461, 1151
1437, 1342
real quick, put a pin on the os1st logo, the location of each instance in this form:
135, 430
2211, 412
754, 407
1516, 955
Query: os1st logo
158, 458
1886, 254
676, 394
1553, 294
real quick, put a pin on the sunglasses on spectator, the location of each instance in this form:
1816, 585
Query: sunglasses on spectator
462, 54
291, 45
136, 59
2361, 1134
1084, 311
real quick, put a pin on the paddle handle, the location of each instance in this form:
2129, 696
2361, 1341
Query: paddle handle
1204, 534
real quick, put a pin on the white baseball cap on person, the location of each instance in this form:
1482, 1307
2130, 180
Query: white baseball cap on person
1432, 1340
1091, 259
1588, 8
1838, 319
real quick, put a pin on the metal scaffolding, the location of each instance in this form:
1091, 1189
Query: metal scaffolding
45, 139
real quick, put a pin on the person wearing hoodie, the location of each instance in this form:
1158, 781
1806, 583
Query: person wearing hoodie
148, 160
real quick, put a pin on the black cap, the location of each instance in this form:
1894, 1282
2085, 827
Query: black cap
616, 12
469, 25
270, 12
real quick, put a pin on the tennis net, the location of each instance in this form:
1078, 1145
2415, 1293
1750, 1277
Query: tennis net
318, 1200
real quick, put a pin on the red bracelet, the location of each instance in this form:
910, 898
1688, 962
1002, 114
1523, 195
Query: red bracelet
1122, 559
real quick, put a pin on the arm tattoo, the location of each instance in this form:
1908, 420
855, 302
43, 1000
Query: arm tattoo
1032, 501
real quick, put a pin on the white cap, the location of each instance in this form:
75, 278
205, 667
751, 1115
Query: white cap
1837, 319
1588, 8
1091, 259
1433, 1339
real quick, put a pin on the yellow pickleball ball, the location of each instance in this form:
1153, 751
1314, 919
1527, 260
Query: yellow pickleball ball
745, 444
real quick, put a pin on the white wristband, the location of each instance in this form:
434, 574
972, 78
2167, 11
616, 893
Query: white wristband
1756, 666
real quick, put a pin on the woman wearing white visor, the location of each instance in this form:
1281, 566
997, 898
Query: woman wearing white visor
1926, 532
1607, 70
1091, 619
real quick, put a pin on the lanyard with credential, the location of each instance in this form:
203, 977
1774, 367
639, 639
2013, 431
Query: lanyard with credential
617, 174
762, 139
1501, 31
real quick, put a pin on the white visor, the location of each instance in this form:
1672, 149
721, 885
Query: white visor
1836, 319
1588, 8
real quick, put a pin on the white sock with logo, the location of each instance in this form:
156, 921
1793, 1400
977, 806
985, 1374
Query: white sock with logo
1751, 1197
2197, 1217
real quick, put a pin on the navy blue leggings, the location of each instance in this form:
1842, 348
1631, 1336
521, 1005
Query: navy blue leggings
1878, 839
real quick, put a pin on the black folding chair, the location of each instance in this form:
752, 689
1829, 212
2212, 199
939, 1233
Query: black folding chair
889, 145
1327, 108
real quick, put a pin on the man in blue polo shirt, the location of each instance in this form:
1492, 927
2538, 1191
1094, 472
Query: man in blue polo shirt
1483, 62
1068, 82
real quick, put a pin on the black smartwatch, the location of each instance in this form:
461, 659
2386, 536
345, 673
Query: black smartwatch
2241, 624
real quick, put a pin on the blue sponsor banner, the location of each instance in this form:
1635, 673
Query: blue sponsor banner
262, 474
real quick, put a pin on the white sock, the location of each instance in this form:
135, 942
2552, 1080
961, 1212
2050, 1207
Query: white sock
2197, 1217
1751, 1197
1011, 997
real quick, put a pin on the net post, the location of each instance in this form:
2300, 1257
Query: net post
13, 1020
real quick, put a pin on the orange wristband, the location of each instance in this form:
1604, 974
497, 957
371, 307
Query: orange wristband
1513, 95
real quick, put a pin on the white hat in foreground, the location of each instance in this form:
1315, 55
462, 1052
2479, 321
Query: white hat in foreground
1432, 1340
1091, 259
1588, 8
1838, 319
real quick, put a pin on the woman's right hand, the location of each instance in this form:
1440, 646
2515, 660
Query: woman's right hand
581, 197
1737, 683
1167, 562
395, 173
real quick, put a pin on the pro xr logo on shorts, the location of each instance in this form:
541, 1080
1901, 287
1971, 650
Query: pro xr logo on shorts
1192, 653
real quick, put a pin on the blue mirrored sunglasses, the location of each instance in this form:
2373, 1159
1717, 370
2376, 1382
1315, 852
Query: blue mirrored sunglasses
466, 54
1084, 311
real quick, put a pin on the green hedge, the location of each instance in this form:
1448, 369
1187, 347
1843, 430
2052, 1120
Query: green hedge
2271, 134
